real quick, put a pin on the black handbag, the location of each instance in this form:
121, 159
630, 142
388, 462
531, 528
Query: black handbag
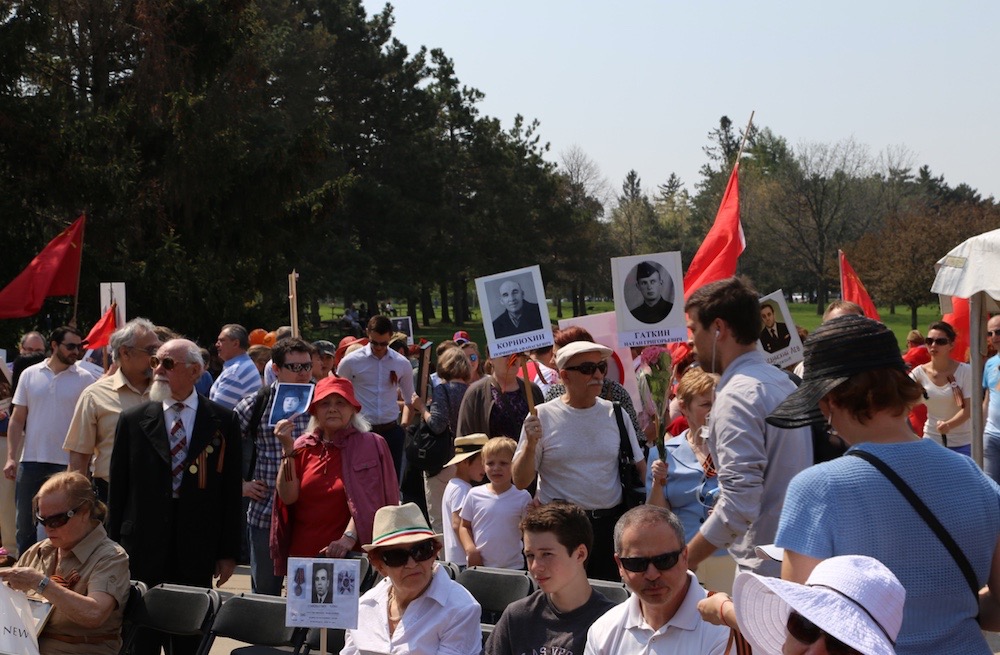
633, 488
427, 451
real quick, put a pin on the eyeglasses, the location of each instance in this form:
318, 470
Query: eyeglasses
940, 341
399, 556
149, 351
71, 346
807, 632
588, 368
663, 562
296, 367
57, 520
168, 362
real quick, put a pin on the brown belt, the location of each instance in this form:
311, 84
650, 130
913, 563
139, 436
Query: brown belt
90, 639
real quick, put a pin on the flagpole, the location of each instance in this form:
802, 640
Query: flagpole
743, 143
79, 270
840, 271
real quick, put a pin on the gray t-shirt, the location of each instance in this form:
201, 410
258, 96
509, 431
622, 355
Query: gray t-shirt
534, 625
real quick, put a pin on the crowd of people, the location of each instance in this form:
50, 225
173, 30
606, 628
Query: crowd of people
783, 511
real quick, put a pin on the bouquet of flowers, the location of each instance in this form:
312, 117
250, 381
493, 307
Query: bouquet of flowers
657, 360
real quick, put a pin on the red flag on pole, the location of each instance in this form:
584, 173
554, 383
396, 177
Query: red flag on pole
100, 334
852, 289
959, 319
54, 272
723, 245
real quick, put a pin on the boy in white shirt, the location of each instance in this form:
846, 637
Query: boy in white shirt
468, 464
491, 514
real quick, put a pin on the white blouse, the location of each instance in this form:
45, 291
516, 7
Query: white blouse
941, 404
443, 620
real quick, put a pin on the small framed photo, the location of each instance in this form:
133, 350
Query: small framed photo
322, 593
403, 324
290, 399
649, 299
515, 315
779, 339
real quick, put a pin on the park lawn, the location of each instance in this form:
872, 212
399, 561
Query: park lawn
804, 315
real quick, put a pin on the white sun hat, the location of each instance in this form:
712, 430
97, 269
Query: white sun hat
852, 598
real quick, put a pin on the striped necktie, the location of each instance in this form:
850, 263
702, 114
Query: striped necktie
178, 449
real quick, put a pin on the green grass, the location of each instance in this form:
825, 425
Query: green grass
803, 314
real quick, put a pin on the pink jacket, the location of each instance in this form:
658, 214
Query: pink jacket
369, 480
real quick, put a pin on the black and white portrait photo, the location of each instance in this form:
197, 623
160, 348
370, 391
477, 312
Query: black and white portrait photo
290, 399
655, 289
322, 583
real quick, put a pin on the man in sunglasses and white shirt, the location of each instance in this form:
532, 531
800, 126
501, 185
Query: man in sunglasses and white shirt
291, 362
573, 447
43, 405
661, 615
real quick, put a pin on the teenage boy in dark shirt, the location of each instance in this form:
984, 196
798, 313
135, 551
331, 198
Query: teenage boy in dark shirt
557, 541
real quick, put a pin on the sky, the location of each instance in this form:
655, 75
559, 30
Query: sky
639, 84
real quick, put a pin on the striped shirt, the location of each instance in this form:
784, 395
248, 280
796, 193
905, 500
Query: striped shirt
239, 378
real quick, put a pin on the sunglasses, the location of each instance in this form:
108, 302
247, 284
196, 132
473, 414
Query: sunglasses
663, 562
71, 346
56, 520
589, 368
168, 362
473, 357
940, 341
396, 557
807, 632
296, 367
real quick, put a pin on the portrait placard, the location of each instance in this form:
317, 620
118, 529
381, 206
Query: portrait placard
403, 324
515, 315
649, 299
323, 593
779, 340
290, 398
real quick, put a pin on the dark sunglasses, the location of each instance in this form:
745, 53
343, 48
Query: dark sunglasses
421, 552
57, 520
807, 632
71, 346
588, 368
168, 362
663, 562
940, 341
296, 367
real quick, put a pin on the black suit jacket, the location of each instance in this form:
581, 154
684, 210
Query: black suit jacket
175, 540
773, 345
531, 320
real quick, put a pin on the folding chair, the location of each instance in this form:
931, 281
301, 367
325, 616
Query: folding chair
495, 589
254, 619
616, 592
135, 593
451, 568
175, 610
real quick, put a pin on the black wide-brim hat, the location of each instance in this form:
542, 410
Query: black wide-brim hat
836, 350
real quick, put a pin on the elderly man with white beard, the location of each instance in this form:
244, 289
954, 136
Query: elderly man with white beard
573, 447
176, 482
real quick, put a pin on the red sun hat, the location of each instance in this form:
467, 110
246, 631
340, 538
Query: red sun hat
328, 386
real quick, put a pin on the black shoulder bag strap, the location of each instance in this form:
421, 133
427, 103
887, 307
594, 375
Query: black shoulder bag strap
928, 517
259, 403
624, 446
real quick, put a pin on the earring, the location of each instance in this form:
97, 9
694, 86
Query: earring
832, 431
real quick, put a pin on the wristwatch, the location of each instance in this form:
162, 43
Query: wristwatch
42, 584
352, 535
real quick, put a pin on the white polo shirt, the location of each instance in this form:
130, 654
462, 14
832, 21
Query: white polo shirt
50, 399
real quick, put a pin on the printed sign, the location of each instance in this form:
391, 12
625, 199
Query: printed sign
779, 340
515, 315
323, 593
649, 299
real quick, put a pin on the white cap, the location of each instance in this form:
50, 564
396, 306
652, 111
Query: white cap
574, 348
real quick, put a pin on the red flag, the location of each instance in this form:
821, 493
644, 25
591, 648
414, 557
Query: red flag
722, 246
100, 334
959, 319
54, 272
852, 289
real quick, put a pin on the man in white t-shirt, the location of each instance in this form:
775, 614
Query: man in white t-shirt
573, 447
47, 392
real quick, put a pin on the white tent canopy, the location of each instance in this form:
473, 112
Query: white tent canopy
972, 270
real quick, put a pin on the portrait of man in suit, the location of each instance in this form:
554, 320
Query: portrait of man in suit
651, 285
174, 499
322, 579
518, 314
775, 335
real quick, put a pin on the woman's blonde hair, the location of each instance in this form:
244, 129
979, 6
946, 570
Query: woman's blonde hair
78, 491
694, 383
